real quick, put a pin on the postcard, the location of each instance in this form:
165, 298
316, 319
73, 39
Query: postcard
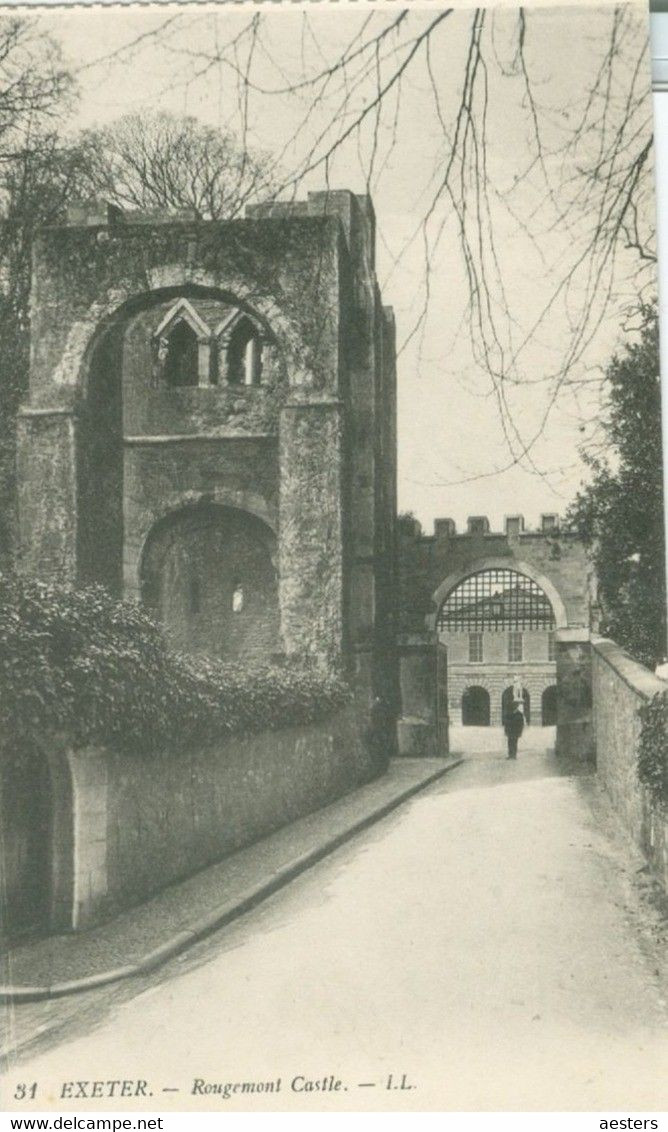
333, 672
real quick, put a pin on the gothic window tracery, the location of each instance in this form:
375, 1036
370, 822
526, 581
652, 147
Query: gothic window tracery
182, 345
240, 347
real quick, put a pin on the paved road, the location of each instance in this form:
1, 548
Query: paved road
483, 941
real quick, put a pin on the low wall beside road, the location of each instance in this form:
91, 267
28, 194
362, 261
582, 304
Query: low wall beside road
620, 686
125, 825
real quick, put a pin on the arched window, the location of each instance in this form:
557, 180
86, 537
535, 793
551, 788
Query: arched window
181, 361
244, 354
183, 342
496, 599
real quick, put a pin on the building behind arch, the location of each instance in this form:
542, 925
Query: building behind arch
496, 601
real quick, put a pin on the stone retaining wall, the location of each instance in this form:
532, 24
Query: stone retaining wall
141, 823
620, 686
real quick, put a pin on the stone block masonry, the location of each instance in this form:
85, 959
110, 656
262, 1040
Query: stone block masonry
211, 431
489, 653
130, 825
46, 455
620, 687
245, 367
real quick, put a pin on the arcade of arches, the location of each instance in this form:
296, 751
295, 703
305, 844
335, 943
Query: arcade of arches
476, 706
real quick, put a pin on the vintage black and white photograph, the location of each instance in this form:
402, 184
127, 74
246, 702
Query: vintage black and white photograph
333, 660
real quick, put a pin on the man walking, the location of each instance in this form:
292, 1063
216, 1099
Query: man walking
513, 725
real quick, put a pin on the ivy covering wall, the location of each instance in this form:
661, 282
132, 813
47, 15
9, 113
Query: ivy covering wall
79, 661
653, 747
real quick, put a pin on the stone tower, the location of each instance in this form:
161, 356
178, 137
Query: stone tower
211, 428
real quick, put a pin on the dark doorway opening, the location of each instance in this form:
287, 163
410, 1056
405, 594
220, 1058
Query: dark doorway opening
26, 812
475, 707
507, 703
549, 706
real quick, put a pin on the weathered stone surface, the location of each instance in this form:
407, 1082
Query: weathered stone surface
620, 687
87, 278
160, 819
574, 702
47, 494
163, 479
422, 729
144, 445
311, 525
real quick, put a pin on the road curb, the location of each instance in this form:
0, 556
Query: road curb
224, 914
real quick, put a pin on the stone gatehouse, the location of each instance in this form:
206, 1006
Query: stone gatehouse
211, 426
210, 431
496, 601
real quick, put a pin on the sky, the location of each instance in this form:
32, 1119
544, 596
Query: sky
453, 456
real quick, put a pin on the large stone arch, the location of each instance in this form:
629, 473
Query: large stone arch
170, 281
93, 359
208, 573
221, 496
521, 567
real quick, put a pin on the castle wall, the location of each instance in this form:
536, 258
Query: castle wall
429, 567
425, 562
247, 499
309, 449
47, 493
162, 477
127, 824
